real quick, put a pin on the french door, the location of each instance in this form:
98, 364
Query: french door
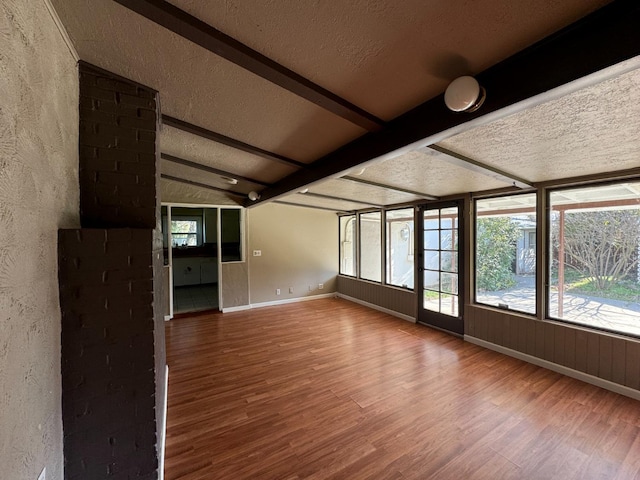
439, 267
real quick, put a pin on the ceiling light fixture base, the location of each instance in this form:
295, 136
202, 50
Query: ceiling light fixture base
464, 94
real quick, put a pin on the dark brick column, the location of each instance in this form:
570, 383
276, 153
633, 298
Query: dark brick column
113, 353
106, 290
117, 152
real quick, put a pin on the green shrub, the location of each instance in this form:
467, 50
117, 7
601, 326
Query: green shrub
495, 251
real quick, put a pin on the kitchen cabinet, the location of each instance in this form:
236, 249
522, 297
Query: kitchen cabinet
194, 270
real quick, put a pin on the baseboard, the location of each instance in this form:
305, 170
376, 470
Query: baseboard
408, 318
569, 372
277, 302
292, 300
167, 318
163, 440
239, 308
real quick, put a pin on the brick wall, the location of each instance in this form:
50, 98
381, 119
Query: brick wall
108, 385
117, 152
113, 353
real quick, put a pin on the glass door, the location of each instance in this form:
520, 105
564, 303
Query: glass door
439, 289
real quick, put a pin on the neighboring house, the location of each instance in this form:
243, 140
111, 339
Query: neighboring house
526, 248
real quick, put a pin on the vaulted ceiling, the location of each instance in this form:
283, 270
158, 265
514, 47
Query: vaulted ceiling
344, 98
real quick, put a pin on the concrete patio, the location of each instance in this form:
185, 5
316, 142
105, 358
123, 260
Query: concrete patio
615, 315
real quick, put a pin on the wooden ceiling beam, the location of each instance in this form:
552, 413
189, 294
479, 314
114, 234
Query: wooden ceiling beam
602, 39
202, 185
195, 30
228, 141
206, 168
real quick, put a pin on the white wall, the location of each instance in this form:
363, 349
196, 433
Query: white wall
38, 195
299, 248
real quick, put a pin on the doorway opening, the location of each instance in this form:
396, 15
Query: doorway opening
191, 250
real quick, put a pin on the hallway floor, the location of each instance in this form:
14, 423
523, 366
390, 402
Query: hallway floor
195, 298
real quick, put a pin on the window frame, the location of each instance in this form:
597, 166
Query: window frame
198, 233
380, 212
474, 253
548, 245
353, 217
412, 248
241, 226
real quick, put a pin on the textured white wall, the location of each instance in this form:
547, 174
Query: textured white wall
299, 248
38, 195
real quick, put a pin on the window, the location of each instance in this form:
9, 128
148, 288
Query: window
399, 246
231, 234
594, 244
348, 245
506, 252
371, 246
186, 231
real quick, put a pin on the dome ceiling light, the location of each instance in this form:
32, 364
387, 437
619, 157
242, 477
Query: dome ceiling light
464, 94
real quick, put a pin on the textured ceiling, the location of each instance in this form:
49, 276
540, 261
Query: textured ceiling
362, 192
336, 205
182, 193
198, 86
383, 56
428, 173
197, 149
590, 131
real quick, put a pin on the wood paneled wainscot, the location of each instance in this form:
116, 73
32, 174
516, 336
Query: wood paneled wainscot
608, 360
395, 301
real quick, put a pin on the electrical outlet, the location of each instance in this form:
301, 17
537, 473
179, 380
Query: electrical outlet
320, 286
290, 289
257, 253
43, 474
277, 291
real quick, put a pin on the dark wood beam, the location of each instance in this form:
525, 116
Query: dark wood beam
215, 171
187, 26
602, 39
202, 185
467, 163
230, 142
389, 187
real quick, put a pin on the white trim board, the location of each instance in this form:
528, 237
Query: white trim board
277, 302
239, 308
292, 300
408, 318
163, 440
569, 372
63, 31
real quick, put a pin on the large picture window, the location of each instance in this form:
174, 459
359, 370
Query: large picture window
594, 243
348, 245
371, 246
399, 247
505, 263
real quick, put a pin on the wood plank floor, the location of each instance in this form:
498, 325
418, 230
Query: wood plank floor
328, 389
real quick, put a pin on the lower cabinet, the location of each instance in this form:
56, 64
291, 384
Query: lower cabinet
194, 271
